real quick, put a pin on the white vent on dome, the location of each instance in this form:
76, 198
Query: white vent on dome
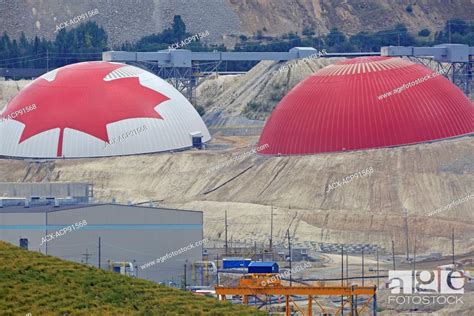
124, 72
50, 76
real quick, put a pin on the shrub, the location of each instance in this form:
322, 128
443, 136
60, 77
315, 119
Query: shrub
424, 33
252, 106
200, 109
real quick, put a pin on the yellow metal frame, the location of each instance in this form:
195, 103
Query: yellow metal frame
310, 291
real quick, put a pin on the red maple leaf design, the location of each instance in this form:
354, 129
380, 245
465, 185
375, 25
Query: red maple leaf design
80, 99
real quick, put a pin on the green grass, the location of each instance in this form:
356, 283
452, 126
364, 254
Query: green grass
31, 282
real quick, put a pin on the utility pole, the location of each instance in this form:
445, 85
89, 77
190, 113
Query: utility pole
46, 231
185, 276
378, 273
405, 216
271, 231
414, 258
414, 254
452, 240
362, 266
87, 255
99, 252
217, 267
393, 254
226, 245
342, 278
342, 266
255, 249
449, 31
289, 251
347, 269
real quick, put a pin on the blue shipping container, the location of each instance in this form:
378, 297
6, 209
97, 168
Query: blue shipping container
235, 263
263, 267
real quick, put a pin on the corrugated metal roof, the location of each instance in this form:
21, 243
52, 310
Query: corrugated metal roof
351, 105
97, 109
262, 264
51, 208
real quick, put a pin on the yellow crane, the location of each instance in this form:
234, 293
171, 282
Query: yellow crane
269, 284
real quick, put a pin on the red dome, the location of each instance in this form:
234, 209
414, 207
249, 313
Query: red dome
367, 102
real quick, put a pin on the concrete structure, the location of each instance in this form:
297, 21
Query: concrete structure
127, 233
364, 103
456, 61
98, 109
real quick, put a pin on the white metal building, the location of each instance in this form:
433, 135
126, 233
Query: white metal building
98, 109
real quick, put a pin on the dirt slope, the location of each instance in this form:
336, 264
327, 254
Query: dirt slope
8, 89
254, 95
421, 178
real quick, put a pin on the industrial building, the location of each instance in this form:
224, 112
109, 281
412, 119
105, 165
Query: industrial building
112, 233
98, 109
367, 102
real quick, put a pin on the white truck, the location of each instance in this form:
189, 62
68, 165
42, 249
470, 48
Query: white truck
122, 267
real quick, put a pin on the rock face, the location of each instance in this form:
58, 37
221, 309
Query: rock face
227, 19
282, 16
123, 20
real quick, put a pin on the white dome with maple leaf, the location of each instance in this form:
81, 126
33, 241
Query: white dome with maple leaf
97, 109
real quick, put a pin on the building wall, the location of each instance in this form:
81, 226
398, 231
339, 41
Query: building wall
14, 226
131, 234
59, 190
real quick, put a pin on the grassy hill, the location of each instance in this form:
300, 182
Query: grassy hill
34, 283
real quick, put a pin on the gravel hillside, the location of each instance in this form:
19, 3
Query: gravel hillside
227, 19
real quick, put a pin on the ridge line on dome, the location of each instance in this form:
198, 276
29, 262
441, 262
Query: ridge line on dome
124, 72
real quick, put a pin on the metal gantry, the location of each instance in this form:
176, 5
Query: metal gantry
350, 293
454, 61
183, 68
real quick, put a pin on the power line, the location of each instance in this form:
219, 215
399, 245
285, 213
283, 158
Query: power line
226, 244
35, 55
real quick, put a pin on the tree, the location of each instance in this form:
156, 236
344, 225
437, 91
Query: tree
308, 31
337, 40
424, 33
179, 28
456, 26
363, 42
